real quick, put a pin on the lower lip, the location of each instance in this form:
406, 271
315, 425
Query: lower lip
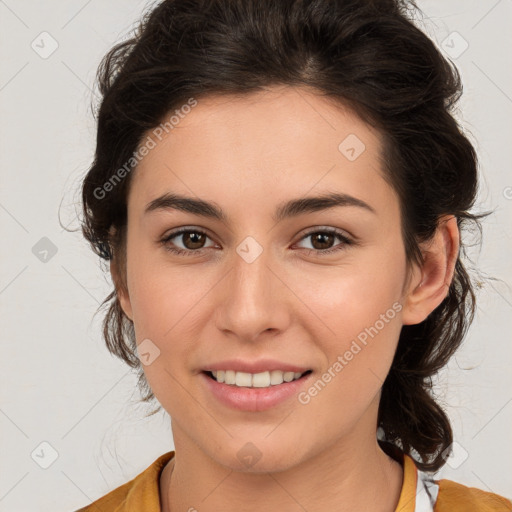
254, 399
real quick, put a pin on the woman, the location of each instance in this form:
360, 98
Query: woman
280, 188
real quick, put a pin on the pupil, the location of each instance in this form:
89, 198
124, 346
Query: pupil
193, 235
319, 238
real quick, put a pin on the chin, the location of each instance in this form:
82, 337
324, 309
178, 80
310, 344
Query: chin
250, 459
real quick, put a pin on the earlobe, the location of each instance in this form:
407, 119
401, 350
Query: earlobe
431, 283
122, 293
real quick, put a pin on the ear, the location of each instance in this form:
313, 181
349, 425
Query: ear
430, 283
121, 290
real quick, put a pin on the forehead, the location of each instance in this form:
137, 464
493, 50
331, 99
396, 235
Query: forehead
282, 140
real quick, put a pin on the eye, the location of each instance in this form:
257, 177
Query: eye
192, 239
324, 237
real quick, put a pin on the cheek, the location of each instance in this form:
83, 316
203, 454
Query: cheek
356, 323
160, 293
162, 303
351, 297
358, 349
168, 309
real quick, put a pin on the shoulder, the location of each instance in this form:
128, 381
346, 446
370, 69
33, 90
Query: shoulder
455, 497
140, 493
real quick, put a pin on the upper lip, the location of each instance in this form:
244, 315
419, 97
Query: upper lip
259, 366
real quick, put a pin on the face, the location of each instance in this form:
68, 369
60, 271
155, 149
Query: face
319, 287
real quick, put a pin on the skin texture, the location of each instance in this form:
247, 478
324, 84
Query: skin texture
248, 155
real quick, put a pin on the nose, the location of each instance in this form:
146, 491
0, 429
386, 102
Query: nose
254, 298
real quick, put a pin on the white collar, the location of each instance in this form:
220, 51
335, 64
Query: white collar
426, 492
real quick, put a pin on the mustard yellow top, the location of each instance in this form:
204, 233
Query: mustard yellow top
141, 494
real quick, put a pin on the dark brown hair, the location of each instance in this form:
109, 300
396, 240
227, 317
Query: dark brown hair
367, 55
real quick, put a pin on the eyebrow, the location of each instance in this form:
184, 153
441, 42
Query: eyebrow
285, 210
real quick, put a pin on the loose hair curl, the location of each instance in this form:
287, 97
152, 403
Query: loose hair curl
367, 55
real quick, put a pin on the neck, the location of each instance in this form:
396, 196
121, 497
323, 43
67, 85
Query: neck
351, 478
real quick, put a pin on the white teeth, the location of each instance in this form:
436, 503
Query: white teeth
255, 380
259, 380
243, 379
276, 377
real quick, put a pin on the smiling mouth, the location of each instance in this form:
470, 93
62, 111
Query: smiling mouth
247, 381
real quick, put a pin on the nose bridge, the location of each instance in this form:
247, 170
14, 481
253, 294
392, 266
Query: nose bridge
251, 273
251, 303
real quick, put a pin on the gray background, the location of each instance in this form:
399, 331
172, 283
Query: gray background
59, 385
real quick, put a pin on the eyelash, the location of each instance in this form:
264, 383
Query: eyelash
190, 252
